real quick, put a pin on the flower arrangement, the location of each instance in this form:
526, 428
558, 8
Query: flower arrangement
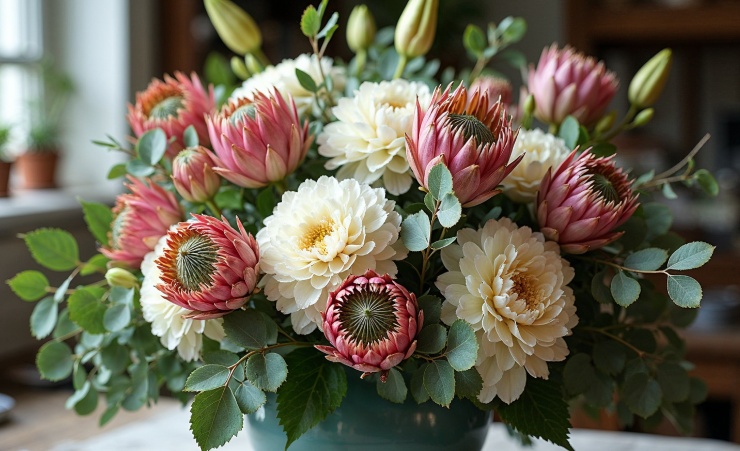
422, 232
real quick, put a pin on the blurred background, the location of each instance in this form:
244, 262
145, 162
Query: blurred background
76, 64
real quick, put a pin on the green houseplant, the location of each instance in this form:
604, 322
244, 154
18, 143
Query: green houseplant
37, 165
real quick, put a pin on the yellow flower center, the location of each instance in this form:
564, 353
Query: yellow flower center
314, 236
526, 290
395, 104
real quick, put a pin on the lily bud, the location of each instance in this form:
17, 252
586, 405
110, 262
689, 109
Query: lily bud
119, 277
606, 122
648, 82
239, 68
643, 117
416, 27
234, 26
360, 29
529, 105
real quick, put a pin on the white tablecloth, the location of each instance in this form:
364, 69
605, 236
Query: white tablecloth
168, 431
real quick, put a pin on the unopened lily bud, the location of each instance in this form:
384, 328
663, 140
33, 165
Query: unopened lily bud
239, 68
648, 82
529, 105
643, 117
360, 29
253, 64
606, 122
234, 26
416, 28
119, 277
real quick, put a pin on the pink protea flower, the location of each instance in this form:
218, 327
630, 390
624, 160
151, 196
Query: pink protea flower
583, 201
260, 141
371, 322
173, 105
495, 87
193, 175
471, 137
568, 83
140, 219
208, 266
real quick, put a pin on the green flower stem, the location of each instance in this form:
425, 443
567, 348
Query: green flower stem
623, 268
685, 160
260, 57
360, 62
402, 61
480, 64
69, 335
214, 208
619, 128
640, 353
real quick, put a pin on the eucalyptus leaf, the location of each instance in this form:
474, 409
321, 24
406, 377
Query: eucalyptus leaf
415, 231
207, 377
685, 291
625, 289
648, 259
44, 318
151, 146
394, 388
450, 210
439, 381
267, 371
306, 81
462, 346
54, 361
690, 256
431, 339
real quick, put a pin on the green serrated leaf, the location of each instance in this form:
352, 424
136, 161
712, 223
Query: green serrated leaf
698, 390
266, 202
248, 397
541, 412
54, 361
648, 259
215, 417
450, 210
658, 219
468, 383
394, 388
439, 381
247, 328
267, 371
690, 256
98, 218
109, 414
600, 290
64, 325
151, 146
115, 357
207, 377
220, 357
707, 182
578, 374
474, 40
418, 391
44, 318
569, 132
685, 291
117, 317
462, 346
429, 202
674, 381
441, 244
61, 291
88, 403
190, 137
642, 394
313, 389
53, 248
415, 232
306, 81
439, 181
609, 356
513, 30
431, 339
310, 22
117, 171
624, 289
432, 307
97, 263
29, 285
87, 310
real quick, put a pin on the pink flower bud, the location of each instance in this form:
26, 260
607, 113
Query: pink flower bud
193, 175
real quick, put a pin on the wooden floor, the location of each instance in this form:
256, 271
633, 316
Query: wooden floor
39, 421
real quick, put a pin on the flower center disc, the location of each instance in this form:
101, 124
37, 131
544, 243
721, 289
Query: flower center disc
367, 316
471, 126
195, 262
118, 225
167, 107
605, 188
241, 113
526, 291
314, 236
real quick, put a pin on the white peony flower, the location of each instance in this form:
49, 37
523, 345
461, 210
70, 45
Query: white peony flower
368, 140
319, 235
542, 151
282, 76
510, 284
167, 319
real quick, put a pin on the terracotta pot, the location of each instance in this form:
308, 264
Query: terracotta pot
5, 178
38, 169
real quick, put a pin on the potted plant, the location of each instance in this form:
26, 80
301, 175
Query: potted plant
5, 161
37, 165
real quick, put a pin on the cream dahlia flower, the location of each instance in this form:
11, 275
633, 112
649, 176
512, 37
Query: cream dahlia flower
367, 142
167, 319
319, 235
541, 151
282, 76
511, 286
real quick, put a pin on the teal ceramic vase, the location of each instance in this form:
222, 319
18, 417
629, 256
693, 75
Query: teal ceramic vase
366, 422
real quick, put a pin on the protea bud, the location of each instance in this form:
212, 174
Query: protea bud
257, 142
416, 28
234, 26
140, 219
360, 29
495, 87
581, 203
193, 175
566, 82
208, 266
471, 137
648, 82
371, 322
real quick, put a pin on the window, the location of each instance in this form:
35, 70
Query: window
21, 50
